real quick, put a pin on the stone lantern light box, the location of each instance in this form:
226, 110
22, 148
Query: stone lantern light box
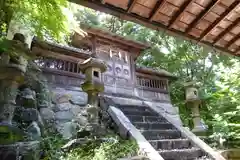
92, 68
191, 91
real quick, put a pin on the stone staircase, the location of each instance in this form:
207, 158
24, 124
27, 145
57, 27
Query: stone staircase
161, 134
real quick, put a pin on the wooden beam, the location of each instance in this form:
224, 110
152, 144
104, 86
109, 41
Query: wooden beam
145, 21
156, 8
179, 13
46, 53
131, 5
209, 7
219, 19
228, 29
232, 40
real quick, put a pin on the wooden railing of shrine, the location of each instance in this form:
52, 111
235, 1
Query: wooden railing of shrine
160, 85
49, 63
152, 87
63, 67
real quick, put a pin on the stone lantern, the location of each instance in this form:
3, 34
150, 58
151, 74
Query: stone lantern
13, 65
193, 100
93, 85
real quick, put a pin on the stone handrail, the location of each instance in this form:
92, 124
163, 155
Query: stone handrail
192, 137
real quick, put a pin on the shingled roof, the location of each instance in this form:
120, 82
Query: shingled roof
151, 71
212, 23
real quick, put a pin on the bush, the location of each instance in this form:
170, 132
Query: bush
111, 149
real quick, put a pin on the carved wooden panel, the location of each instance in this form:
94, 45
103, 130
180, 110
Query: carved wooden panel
108, 79
118, 72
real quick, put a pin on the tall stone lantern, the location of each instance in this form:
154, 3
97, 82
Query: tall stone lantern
13, 65
93, 85
193, 101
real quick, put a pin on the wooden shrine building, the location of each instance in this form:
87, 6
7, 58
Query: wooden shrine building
123, 77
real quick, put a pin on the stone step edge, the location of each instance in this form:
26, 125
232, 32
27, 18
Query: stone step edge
132, 106
159, 130
172, 140
152, 123
139, 112
155, 116
179, 150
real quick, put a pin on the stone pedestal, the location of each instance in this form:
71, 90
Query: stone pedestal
92, 68
193, 101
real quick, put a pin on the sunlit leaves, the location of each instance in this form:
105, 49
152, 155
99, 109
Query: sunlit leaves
43, 17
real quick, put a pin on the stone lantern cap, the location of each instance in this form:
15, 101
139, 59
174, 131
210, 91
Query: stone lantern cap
192, 84
93, 63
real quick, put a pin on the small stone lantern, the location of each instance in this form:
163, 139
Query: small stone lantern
92, 68
193, 100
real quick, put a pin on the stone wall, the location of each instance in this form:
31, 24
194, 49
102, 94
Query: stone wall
68, 109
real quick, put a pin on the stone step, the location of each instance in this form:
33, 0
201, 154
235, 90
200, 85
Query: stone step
139, 112
134, 108
153, 125
137, 118
168, 144
161, 134
181, 154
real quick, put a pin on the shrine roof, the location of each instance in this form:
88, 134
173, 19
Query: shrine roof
60, 48
151, 71
211, 23
103, 33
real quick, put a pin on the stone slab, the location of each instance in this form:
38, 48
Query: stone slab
64, 115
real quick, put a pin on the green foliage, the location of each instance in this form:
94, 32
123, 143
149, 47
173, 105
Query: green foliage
42, 17
109, 150
51, 146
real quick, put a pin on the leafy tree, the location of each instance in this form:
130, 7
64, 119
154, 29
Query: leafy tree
43, 17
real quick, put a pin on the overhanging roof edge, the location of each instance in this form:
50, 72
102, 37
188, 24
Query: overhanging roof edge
153, 25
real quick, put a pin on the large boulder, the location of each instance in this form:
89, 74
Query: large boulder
47, 114
64, 116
